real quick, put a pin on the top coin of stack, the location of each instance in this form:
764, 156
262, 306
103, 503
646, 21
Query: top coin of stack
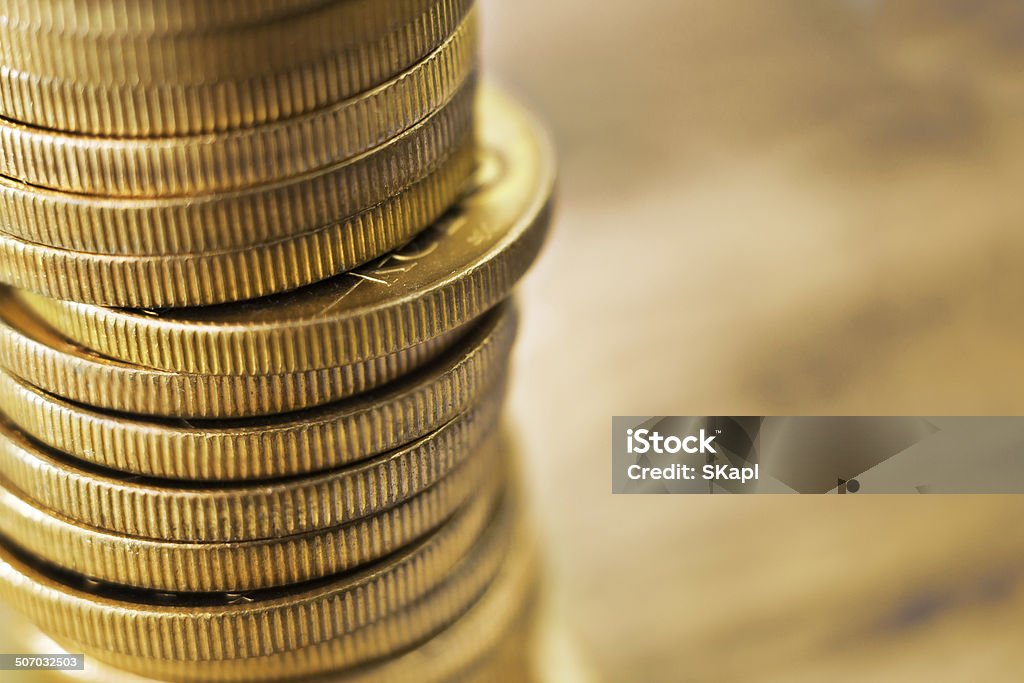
198, 153
181, 67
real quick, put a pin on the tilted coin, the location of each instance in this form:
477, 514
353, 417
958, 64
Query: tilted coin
236, 626
170, 166
289, 445
240, 218
133, 108
35, 353
170, 511
216, 277
451, 273
245, 565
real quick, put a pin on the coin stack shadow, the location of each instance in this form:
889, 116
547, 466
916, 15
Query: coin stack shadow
254, 336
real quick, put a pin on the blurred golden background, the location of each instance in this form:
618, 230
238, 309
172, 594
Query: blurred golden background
773, 208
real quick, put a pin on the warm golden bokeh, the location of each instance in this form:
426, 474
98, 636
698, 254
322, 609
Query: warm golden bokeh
774, 208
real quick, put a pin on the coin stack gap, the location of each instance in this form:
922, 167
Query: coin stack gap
255, 327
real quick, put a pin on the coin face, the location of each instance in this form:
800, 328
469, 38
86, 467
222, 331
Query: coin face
451, 273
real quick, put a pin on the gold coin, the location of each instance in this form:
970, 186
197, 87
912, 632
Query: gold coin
33, 352
281, 446
217, 277
169, 511
162, 167
450, 274
489, 644
155, 17
190, 90
203, 54
219, 221
439, 636
244, 565
218, 626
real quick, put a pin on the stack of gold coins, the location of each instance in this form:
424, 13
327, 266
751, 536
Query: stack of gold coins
255, 328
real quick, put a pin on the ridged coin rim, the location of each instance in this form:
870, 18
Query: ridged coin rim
171, 511
474, 649
155, 17
300, 443
365, 655
257, 624
172, 109
36, 218
161, 167
38, 355
242, 566
239, 275
338, 335
207, 53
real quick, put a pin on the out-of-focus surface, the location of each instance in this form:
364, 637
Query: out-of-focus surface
774, 208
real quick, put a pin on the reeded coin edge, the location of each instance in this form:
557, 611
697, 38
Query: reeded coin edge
142, 110
301, 443
248, 625
195, 225
169, 511
327, 339
71, 52
44, 360
162, 167
229, 276
367, 657
241, 566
